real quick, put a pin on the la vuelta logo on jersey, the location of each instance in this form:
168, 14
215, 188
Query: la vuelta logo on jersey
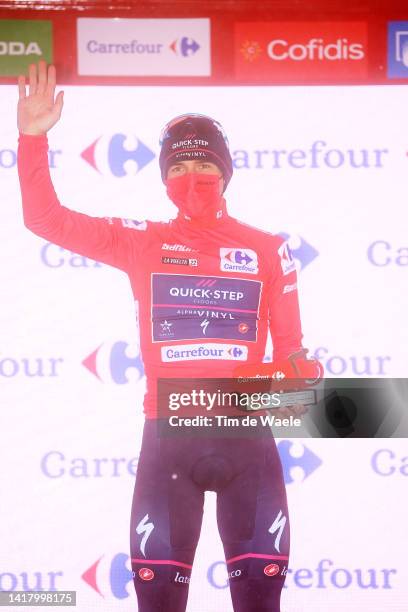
238, 260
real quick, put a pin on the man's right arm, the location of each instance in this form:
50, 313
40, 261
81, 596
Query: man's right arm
103, 239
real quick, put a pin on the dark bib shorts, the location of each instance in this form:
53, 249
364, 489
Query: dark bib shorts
167, 510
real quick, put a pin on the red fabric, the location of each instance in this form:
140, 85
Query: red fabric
197, 196
219, 301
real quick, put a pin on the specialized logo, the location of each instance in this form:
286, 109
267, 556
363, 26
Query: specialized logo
272, 569
195, 352
112, 363
278, 526
292, 463
239, 260
204, 325
185, 46
211, 306
300, 251
146, 574
397, 49
288, 264
307, 50
146, 529
118, 155
290, 288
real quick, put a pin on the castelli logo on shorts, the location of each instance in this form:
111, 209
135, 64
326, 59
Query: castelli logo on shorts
146, 574
271, 570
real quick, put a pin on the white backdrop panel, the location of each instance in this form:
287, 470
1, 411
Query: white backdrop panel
71, 437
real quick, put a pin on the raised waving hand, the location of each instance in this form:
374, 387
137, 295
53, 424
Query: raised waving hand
38, 112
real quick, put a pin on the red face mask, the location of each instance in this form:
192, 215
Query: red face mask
197, 196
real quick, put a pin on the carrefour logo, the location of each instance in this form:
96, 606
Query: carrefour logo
385, 462
120, 155
297, 460
352, 365
119, 576
301, 251
382, 253
112, 362
323, 574
318, 155
29, 366
40, 580
194, 352
57, 464
185, 46
238, 260
144, 47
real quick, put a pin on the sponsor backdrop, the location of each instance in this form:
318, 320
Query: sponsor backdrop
325, 167
264, 45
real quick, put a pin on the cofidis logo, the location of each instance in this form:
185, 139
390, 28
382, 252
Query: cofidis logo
300, 51
398, 50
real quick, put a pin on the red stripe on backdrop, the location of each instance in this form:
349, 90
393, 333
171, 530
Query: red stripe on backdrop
224, 16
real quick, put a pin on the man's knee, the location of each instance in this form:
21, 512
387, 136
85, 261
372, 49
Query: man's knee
256, 584
161, 587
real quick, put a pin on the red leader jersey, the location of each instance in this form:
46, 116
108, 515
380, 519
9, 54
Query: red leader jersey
206, 296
